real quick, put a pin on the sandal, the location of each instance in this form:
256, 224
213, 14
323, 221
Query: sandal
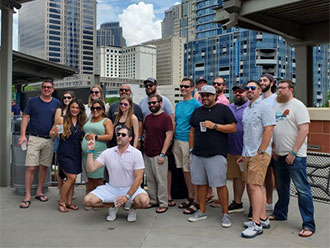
150, 205
171, 203
303, 232
209, 198
192, 209
42, 198
161, 210
62, 208
215, 204
272, 217
26, 204
72, 206
187, 203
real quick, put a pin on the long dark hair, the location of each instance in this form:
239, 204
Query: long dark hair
72, 94
101, 104
81, 118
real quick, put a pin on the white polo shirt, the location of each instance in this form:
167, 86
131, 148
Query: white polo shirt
121, 167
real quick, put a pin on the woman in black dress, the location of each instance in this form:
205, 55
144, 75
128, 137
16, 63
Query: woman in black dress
69, 150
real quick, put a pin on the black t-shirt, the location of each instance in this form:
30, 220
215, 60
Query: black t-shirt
211, 142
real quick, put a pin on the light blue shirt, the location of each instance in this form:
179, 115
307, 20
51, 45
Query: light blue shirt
271, 100
183, 113
255, 118
166, 106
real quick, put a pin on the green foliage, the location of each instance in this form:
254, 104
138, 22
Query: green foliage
32, 88
112, 100
326, 104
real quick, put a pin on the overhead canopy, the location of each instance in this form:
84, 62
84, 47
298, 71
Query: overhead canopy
300, 22
29, 69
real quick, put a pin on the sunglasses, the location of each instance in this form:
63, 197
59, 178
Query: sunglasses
121, 134
95, 92
123, 104
218, 84
148, 85
124, 90
152, 103
238, 92
96, 108
47, 87
247, 88
67, 97
184, 86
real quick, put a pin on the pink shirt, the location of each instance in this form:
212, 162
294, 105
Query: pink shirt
223, 99
121, 168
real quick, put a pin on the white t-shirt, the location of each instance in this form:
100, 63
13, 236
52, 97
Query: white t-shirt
271, 100
288, 117
121, 167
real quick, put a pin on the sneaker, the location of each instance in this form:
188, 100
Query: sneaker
235, 207
252, 231
264, 223
226, 222
112, 214
269, 207
131, 215
250, 213
198, 216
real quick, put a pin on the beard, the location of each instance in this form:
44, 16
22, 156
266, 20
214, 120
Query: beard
266, 88
155, 109
282, 98
150, 93
239, 101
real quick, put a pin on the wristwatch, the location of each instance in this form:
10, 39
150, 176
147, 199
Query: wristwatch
128, 196
215, 126
260, 152
162, 155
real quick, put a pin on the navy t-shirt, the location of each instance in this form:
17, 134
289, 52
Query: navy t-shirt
41, 115
16, 109
211, 142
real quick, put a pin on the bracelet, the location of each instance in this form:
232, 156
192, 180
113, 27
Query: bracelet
162, 155
90, 151
293, 153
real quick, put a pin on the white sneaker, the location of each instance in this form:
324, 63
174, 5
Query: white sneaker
198, 216
226, 222
265, 224
131, 215
252, 231
112, 214
269, 207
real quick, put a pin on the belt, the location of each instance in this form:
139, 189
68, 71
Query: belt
41, 136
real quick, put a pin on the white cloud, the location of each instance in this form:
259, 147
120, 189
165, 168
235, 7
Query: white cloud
139, 24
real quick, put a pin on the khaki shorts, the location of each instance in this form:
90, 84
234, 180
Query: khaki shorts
233, 170
181, 155
39, 151
255, 168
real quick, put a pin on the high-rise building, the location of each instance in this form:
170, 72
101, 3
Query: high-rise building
170, 60
110, 34
135, 62
62, 31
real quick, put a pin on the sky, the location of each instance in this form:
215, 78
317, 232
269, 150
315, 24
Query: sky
141, 20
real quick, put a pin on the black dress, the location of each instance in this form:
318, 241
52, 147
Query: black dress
69, 153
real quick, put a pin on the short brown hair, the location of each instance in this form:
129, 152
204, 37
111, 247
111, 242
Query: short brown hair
289, 82
159, 98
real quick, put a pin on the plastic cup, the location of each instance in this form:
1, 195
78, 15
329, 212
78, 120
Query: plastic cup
241, 166
23, 146
60, 128
203, 129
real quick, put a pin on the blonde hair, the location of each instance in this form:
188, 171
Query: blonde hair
90, 100
128, 121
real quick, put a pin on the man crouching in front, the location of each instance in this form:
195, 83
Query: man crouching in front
125, 167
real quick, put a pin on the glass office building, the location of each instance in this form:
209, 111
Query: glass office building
62, 31
110, 34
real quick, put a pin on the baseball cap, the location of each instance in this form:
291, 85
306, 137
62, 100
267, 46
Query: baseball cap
151, 80
207, 89
239, 87
200, 79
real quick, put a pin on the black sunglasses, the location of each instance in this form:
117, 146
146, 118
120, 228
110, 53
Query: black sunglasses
96, 108
250, 87
218, 84
148, 85
47, 87
95, 92
67, 97
184, 86
152, 103
121, 134
126, 90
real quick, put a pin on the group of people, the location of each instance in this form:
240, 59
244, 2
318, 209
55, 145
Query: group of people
258, 138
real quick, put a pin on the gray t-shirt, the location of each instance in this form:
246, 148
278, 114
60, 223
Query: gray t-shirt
166, 107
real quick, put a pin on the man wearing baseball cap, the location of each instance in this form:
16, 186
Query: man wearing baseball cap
208, 138
200, 82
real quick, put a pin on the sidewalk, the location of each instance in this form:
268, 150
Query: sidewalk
42, 225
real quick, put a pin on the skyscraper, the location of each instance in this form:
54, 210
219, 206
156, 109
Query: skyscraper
110, 34
62, 31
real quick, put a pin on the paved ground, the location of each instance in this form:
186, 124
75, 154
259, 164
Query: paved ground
43, 226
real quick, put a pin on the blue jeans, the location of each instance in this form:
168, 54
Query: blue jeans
296, 172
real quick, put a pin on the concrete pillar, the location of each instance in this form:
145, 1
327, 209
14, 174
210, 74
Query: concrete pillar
304, 74
6, 64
